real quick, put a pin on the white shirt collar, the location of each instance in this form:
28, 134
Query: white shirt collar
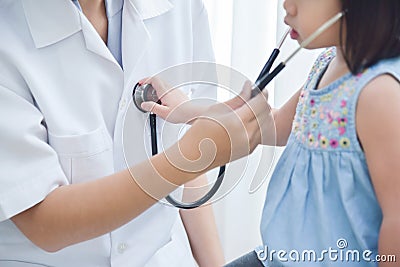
151, 8
51, 21
146, 8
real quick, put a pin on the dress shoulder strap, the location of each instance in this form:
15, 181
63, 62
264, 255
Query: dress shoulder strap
318, 68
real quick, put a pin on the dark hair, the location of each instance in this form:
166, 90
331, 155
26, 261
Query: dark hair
372, 32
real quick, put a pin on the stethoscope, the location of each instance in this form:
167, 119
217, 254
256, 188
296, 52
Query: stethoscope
145, 92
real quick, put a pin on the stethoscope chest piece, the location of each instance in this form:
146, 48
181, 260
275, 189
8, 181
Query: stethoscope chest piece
143, 93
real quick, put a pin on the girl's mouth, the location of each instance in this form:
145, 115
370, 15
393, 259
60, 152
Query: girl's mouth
293, 34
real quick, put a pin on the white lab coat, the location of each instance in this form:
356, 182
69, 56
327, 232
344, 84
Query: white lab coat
63, 100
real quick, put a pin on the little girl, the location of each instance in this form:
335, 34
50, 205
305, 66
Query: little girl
333, 198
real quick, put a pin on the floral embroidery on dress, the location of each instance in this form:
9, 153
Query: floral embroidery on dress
321, 119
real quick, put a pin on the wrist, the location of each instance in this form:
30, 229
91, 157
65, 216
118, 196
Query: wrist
155, 177
185, 159
193, 112
205, 146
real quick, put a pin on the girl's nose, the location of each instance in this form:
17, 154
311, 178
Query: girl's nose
290, 7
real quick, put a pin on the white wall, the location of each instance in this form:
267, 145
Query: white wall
235, 25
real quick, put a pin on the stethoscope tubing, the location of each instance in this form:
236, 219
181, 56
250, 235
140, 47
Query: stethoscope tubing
169, 198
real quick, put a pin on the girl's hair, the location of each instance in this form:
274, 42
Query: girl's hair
372, 32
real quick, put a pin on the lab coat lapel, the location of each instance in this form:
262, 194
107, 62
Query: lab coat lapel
94, 42
135, 37
152, 8
51, 21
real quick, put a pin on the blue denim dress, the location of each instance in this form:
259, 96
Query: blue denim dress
321, 208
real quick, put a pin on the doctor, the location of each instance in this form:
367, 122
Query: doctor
67, 70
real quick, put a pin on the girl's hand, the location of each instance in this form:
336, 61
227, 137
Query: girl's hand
175, 106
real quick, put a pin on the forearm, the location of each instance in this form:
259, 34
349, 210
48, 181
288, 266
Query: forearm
282, 130
79, 212
202, 230
389, 241
75, 213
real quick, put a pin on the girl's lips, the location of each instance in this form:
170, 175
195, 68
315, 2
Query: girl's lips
293, 34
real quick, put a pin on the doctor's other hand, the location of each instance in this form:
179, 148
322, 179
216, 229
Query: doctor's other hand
225, 132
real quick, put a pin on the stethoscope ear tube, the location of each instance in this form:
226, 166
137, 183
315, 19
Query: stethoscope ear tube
269, 63
262, 82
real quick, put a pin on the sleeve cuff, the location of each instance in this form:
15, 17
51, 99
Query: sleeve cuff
30, 193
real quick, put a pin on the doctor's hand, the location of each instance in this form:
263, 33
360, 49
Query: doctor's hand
225, 132
175, 107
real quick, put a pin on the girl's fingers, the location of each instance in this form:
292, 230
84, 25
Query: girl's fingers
160, 87
159, 110
144, 80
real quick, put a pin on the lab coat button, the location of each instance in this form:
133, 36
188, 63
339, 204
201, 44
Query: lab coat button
122, 247
122, 104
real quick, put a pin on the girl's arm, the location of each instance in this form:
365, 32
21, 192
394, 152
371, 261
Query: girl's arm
201, 228
284, 119
377, 118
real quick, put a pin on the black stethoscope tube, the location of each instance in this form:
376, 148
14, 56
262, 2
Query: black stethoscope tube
154, 151
269, 63
264, 80
265, 77
153, 132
